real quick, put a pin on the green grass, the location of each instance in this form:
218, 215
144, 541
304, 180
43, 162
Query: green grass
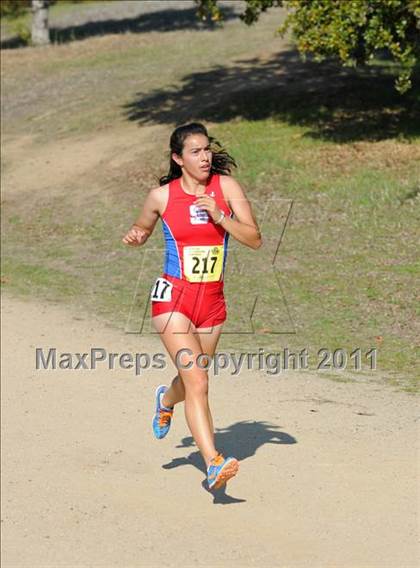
348, 261
335, 265
44, 282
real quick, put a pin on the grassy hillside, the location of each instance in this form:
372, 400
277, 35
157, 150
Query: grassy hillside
85, 132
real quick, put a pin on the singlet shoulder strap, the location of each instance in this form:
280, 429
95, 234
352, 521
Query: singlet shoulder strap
173, 188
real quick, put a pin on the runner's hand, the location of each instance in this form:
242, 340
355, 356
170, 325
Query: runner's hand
135, 237
208, 204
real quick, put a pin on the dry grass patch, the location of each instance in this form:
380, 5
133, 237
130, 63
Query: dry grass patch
386, 154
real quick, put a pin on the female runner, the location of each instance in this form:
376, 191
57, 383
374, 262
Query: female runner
196, 202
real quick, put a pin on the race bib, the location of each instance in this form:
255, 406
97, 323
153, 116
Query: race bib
203, 263
162, 291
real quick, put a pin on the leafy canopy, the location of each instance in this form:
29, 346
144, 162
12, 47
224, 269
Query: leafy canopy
353, 31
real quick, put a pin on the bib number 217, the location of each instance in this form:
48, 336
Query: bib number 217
162, 291
203, 263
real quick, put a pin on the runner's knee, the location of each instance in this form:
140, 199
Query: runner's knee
197, 384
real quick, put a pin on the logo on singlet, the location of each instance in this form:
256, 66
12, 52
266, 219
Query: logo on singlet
198, 216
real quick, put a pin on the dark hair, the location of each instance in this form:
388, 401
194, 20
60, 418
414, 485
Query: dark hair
222, 162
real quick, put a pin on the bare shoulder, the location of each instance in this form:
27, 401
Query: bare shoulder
158, 197
228, 182
231, 187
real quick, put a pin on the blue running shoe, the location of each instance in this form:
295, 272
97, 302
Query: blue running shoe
163, 416
221, 470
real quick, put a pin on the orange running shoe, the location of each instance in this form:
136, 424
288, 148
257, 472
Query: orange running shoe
163, 416
221, 470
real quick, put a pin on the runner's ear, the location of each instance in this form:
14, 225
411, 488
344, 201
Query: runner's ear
177, 159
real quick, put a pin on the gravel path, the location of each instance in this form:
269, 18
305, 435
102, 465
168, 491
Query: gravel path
328, 473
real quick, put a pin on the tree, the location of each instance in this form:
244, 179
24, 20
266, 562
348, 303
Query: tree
353, 31
40, 31
14, 9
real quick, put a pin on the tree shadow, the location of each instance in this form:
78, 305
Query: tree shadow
167, 20
334, 103
240, 440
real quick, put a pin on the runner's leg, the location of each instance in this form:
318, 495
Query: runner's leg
177, 333
175, 393
208, 338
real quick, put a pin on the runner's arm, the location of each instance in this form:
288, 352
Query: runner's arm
244, 227
146, 221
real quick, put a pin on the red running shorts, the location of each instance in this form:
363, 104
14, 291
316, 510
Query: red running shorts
203, 303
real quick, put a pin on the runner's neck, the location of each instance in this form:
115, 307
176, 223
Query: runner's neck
193, 193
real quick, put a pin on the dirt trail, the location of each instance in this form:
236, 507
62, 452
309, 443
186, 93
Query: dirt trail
328, 470
75, 161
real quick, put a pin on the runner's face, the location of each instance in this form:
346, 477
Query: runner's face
196, 156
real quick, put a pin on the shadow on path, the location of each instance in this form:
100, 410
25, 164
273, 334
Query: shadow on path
240, 440
332, 102
167, 20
